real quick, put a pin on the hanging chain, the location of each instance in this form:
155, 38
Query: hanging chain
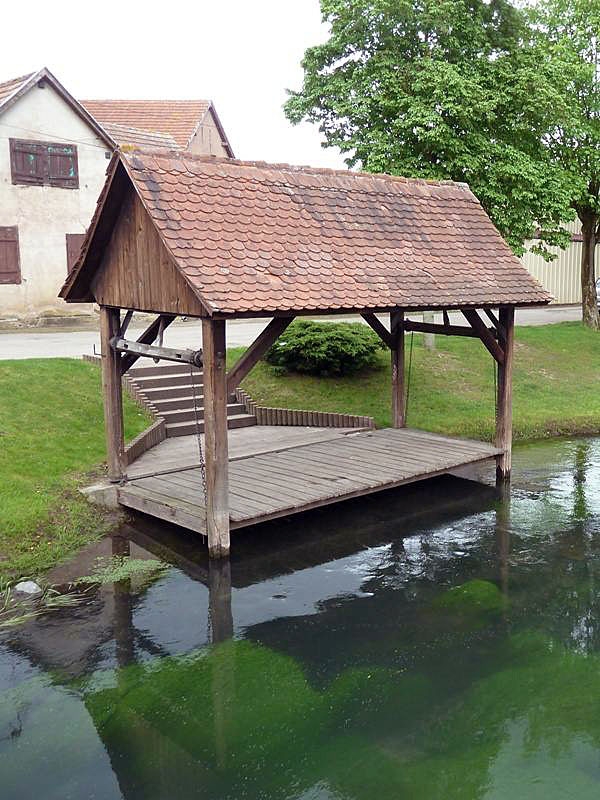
199, 438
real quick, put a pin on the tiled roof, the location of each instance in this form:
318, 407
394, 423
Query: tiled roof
124, 135
176, 118
9, 87
254, 237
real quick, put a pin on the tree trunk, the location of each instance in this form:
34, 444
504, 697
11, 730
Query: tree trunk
589, 299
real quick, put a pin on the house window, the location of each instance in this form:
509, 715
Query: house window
74, 242
10, 264
44, 164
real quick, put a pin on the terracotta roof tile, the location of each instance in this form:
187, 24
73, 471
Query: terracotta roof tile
125, 135
253, 237
175, 118
9, 87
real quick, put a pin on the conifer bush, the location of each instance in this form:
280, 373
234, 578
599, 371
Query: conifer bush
325, 348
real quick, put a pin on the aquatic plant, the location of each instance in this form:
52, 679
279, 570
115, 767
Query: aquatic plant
120, 568
15, 610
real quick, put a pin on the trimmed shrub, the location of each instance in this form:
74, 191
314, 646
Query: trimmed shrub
325, 348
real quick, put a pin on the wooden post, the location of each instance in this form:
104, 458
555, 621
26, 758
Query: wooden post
506, 336
215, 437
398, 386
112, 394
219, 600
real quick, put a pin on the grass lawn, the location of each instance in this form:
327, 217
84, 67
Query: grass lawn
556, 385
51, 433
51, 430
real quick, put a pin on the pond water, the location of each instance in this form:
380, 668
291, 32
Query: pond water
434, 642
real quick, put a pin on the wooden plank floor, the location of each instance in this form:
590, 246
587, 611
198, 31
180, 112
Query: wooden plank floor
276, 484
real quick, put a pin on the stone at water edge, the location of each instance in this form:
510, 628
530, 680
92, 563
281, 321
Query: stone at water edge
28, 587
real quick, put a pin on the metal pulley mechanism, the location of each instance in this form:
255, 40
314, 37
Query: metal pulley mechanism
157, 352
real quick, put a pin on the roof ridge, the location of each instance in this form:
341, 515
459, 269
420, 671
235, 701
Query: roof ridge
304, 169
18, 79
142, 100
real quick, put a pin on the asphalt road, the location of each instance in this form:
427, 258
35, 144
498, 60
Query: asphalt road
53, 342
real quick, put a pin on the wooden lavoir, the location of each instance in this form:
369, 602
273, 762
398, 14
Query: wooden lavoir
217, 239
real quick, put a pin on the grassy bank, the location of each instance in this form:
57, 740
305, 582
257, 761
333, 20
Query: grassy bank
51, 433
556, 385
51, 430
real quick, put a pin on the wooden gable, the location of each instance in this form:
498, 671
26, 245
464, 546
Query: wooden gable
137, 270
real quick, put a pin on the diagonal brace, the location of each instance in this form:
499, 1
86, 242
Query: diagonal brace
379, 329
147, 337
484, 334
256, 351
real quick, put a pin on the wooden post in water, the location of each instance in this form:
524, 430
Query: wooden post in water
215, 437
506, 335
219, 600
398, 378
112, 394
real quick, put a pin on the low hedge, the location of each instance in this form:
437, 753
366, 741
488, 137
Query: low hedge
325, 348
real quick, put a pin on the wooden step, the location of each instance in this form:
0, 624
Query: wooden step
176, 403
171, 392
171, 379
189, 414
161, 369
189, 428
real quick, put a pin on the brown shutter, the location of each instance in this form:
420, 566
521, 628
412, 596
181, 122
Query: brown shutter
74, 242
27, 162
62, 165
10, 265
44, 164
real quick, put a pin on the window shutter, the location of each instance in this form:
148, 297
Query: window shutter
62, 165
44, 164
10, 265
27, 162
74, 242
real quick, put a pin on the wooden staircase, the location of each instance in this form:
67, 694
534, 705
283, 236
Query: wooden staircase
168, 391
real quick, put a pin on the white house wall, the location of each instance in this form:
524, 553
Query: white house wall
44, 214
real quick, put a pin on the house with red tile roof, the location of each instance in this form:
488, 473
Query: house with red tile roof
54, 152
191, 125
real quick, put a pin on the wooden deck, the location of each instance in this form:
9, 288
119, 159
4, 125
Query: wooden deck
302, 476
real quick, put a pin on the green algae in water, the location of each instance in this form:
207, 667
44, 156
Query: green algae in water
402, 692
473, 597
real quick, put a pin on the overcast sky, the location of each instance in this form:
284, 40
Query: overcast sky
242, 54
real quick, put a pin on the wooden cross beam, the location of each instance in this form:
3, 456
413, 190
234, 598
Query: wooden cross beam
256, 351
147, 337
445, 330
484, 334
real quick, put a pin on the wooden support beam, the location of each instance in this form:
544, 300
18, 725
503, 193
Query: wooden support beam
215, 437
219, 600
112, 394
380, 329
147, 337
445, 330
159, 353
504, 402
256, 351
484, 334
125, 322
398, 376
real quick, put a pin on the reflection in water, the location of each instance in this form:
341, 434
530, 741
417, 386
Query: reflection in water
437, 642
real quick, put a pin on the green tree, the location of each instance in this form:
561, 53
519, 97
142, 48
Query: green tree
568, 33
459, 89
